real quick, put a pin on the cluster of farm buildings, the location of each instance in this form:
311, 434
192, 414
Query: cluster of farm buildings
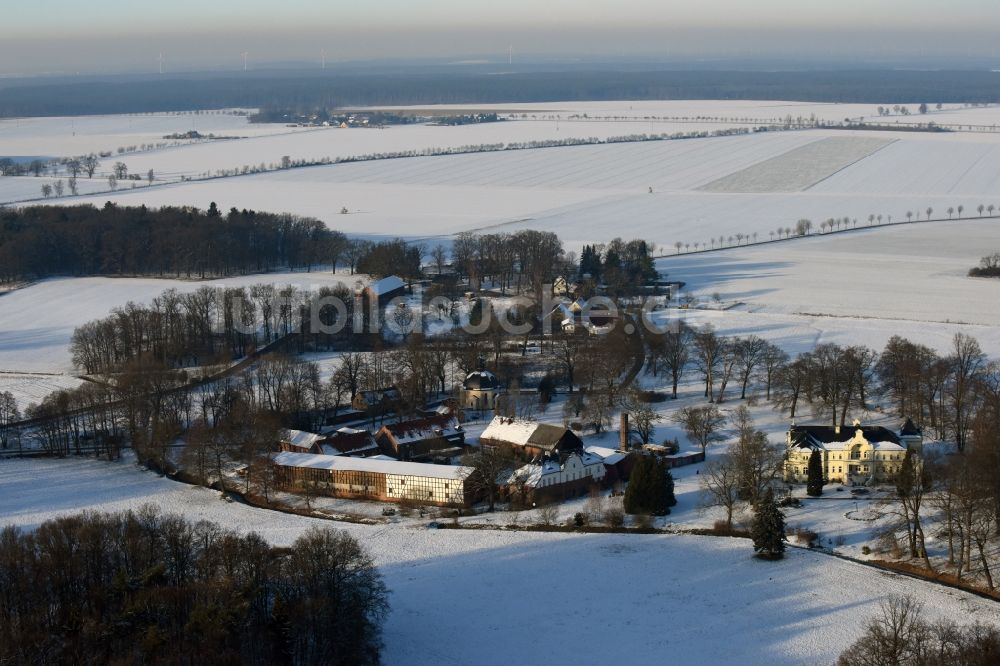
418, 459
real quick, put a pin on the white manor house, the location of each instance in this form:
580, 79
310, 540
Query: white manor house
856, 456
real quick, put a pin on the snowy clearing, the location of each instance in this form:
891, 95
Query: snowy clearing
699, 599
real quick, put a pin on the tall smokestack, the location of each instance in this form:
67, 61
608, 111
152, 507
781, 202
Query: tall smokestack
623, 437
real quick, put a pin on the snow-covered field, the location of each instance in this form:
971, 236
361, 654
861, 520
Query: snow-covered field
801, 168
589, 597
333, 142
580, 192
21, 188
38, 321
963, 166
912, 272
28, 389
79, 135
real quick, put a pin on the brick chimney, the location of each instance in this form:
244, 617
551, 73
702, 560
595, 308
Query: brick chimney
623, 435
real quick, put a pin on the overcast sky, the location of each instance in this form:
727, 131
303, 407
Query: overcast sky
128, 35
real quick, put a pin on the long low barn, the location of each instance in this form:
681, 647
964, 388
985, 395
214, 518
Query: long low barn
368, 478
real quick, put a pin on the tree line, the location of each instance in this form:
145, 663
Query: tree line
941, 391
313, 90
146, 587
44, 241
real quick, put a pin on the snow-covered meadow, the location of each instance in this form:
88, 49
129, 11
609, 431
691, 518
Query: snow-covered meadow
30, 389
56, 136
37, 322
696, 599
580, 192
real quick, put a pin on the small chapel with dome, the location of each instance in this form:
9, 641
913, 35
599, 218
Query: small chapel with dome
481, 390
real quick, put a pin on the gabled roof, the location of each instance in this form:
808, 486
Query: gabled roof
301, 439
386, 285
608, 455
348, 440
814, 435
524, 433
533, 473
546, 436
430, 427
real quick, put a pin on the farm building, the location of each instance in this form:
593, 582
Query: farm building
617, 464
379, 401
348, 442
344, 441
555, 480
384, 290
531, 440
422, 438
368, 478
299, 441
862, 455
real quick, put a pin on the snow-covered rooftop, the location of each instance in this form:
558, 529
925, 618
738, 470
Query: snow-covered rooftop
608, 455
515, 431
532, 473
386, 285
377, 465
301, 438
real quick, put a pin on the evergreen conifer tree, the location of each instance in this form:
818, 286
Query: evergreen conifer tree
664, 488
814, 481
650, 488
636, 493
768, 529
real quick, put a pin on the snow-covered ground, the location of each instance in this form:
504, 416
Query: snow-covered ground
334, 142
859, 287
801, 168
580, 192
28, 388
21, 188
462, 596
56, 136
38, 321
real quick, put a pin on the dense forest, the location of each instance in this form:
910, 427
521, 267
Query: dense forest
184, 242
144, 587
45, 241
300, 90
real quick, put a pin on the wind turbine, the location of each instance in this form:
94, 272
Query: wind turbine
160, 60
510, 54
245, 54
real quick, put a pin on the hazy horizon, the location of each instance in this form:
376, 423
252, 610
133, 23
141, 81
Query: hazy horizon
116, 36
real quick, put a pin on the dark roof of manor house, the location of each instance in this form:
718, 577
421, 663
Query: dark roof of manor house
481, 380
809, 435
